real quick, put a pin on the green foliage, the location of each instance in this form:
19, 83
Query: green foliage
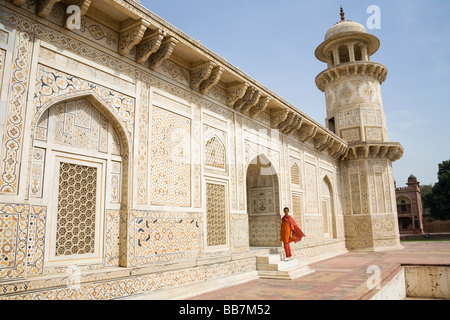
427, 197
439, 200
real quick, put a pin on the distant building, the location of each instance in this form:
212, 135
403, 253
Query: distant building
409, 207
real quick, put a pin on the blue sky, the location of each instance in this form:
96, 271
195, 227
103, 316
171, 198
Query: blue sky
274, 42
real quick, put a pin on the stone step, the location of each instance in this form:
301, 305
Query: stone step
287, 274
273, 266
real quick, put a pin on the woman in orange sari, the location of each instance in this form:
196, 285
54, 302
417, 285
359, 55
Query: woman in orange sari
290, 232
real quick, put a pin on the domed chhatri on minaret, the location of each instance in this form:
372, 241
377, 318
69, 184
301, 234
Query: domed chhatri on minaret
352, 87
352, 81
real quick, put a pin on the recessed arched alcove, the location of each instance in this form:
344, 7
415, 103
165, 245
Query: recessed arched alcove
83, 149
263, 203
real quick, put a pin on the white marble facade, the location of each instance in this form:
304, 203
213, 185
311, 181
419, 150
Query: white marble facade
130, 150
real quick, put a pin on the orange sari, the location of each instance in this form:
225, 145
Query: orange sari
289, 225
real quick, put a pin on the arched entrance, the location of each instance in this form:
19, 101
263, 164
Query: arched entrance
263, 203
85, 162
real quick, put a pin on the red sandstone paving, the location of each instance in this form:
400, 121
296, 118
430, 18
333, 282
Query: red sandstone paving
340, 278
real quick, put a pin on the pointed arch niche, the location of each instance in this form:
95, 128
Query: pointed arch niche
79, 169
263, 206
328, 209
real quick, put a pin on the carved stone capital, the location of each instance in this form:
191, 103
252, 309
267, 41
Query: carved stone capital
149, 44
236, 92
164, 52
131, 35
260, 106
201, 73
213, 79
43, 7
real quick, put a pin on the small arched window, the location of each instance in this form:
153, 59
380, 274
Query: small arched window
344, 55
358, 52
215, 153
295, 174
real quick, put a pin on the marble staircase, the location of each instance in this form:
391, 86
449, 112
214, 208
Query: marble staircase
275, 266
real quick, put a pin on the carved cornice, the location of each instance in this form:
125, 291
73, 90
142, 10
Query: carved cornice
289, 122
392, 151
242, 92
373, 69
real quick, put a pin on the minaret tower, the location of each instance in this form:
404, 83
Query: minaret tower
351, 84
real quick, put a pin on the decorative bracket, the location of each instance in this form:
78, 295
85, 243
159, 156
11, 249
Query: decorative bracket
43, 8
201, 73
246, 98
206, 85
252, 101
278, 118
149, 44
236, 92
384, 150
164, 52
131, 35
286, 123
297, 123
307, 133
260, 106
323, 142
18, 2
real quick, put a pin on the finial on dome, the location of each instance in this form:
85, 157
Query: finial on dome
342, 14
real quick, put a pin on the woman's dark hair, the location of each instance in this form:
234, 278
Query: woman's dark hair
285, 209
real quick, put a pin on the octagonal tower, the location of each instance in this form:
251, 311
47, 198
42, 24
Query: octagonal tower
352, 87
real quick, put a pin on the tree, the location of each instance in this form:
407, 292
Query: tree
440, 204
426, 192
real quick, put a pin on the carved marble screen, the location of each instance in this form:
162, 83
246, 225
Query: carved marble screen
216, 215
